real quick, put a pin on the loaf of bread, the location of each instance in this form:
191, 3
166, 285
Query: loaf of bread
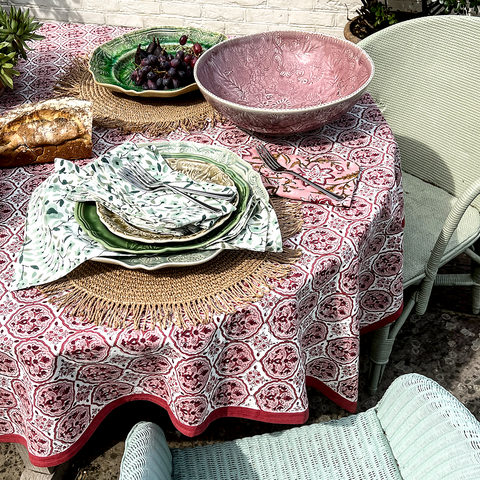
40, 132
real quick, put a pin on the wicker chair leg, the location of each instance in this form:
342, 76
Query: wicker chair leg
380, 350
382, 344
475, 272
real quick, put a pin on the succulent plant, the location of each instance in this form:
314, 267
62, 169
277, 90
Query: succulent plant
17, 27
7, 62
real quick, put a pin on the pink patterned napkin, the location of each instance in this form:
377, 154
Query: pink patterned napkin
337, 175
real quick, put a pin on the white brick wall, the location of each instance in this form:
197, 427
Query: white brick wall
232, 17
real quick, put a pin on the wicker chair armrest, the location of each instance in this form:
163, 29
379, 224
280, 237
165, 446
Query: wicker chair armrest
451, 223
431, 434
147, 455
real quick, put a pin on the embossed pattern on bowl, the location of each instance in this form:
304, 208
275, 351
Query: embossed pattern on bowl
283, 82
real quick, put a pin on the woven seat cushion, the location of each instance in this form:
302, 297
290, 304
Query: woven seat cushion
351, 448
426, 208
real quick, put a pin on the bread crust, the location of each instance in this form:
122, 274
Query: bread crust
40, 132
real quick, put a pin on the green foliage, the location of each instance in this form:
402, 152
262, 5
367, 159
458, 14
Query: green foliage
382, 14
7, 62
460, 7
17, 27
376, 15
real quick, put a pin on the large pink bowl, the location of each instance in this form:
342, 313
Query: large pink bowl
283, 82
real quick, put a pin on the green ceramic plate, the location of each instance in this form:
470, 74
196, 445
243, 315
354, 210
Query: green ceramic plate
156, 262
112, 62
198, 171
245, 178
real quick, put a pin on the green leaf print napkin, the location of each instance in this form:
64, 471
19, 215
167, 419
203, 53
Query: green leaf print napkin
54, 244
155, 211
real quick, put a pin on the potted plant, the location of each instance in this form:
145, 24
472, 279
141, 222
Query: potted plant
374, 15
17, 27
460, 7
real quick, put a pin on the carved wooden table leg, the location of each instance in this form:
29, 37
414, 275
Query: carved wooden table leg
32, 472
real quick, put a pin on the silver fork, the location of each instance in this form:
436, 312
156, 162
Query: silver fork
272, 163
149, 181
135, 179
146, 179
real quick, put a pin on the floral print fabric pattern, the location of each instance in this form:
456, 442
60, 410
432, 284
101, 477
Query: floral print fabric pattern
59, 376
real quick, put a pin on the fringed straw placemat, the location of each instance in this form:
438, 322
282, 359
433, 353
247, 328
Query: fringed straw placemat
152, 116
117, 297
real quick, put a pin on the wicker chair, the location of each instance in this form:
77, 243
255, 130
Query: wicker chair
426, 85
418, 431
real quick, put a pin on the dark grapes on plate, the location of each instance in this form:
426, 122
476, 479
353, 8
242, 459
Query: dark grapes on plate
157, 69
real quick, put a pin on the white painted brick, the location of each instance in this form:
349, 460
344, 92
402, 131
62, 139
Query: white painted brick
295, 28
208, 2
180, 9
227, 14
46, 3
142, 8
276, 17
292, 4
232, 17
248, 3
245, 28
162, 20
311, 18
122, 20
94, 5
211, 25
337, 5
95, 18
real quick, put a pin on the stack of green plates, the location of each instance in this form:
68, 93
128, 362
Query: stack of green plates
151, 252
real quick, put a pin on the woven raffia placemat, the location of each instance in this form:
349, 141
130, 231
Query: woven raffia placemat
152, 116
117, 297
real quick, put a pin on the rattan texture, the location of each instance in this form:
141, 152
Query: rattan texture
417, 431
425, 83
152, 116
147, 456
111, 295
351, 448
432, 435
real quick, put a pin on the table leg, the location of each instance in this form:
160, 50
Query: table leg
32, 472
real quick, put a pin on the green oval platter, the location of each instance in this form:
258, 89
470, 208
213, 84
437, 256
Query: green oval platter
112, 62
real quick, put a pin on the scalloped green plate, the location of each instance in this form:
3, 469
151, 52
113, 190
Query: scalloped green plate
112, 62
245, 178
157, 262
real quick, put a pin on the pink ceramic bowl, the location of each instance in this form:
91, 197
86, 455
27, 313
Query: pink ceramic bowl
283, 82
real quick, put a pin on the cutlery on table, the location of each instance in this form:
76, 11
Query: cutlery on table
145, 178
272, 163
132, 177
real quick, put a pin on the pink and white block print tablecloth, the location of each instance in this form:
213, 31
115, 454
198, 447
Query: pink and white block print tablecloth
60, 377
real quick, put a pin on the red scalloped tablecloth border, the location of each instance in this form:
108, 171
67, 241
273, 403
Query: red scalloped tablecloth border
237, 412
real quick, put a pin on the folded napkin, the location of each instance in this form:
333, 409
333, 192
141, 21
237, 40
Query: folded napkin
158, 212
54, 244
337, 175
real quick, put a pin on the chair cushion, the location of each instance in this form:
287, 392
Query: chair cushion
426, 209
351, 448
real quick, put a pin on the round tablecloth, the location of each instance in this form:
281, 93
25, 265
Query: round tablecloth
60, 377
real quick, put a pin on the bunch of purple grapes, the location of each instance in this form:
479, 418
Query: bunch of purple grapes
156, 69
